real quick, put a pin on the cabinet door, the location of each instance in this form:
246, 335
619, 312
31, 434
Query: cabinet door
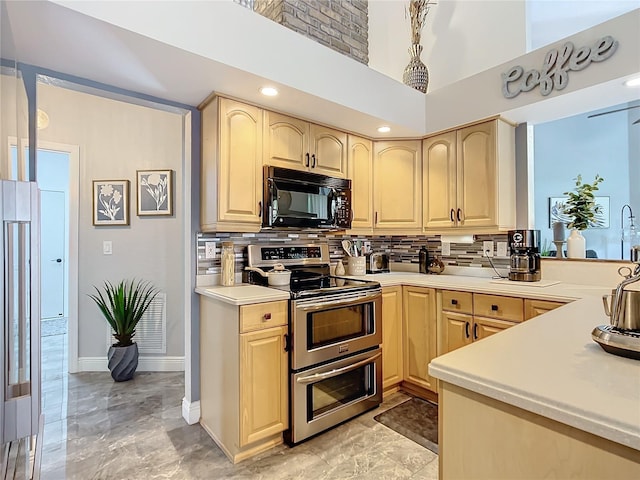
439, 181
263, 384
360, 171
476, 192
420, 340
328, 151
286, 142
397, 173
240, 179
533, 308
484, 327
458, 330
391, 336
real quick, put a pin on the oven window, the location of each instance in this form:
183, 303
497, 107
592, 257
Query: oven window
338, 324
327, 395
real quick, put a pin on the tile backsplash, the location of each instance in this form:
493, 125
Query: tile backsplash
401, 248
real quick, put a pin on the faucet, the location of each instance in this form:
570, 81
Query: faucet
632, 228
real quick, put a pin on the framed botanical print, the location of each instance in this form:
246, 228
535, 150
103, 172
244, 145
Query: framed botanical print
110, 202
155, 192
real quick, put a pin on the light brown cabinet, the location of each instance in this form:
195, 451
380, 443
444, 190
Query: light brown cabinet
360, 171
469, 179
467, 317
243, 375
392, 371
294, 143
419, 335
231, 173
397, 186
533, 308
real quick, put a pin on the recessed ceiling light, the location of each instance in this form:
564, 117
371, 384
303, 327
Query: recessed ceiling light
269, 91
384, 129
634, 82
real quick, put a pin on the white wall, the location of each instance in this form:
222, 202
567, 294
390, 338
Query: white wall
460, 38
115, 139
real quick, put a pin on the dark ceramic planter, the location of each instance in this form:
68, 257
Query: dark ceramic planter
123, 362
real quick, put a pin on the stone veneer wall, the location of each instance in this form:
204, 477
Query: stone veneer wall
400, 248
342, 25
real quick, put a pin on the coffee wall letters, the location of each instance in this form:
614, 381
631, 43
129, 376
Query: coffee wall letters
556, 67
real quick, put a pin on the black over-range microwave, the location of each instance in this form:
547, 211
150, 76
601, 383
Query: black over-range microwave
295, 199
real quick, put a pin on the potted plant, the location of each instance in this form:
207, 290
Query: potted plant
123, 305
581, 207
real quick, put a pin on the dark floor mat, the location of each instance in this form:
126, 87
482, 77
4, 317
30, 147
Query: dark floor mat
416, 419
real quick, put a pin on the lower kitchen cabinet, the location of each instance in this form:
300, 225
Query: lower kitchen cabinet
392, 371
420, 337
243, 375
533, 308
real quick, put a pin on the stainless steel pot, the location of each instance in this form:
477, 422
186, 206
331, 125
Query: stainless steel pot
277, 277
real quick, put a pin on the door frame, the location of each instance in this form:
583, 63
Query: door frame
74, 211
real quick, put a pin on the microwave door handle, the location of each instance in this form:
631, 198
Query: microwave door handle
337, 371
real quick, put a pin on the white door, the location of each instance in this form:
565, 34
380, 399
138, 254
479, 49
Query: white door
52, 257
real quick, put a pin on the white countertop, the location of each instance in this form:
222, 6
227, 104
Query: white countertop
552, 367
243, 294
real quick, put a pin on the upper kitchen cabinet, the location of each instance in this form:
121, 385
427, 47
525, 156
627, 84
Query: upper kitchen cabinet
469, 179
296, 144
231, 190
360, 171
397, 186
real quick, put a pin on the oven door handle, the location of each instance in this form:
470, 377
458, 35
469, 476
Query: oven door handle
323, 304
337, 371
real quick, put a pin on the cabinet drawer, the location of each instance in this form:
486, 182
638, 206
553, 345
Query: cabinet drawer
533, 308
262, 315
461, 302
503, 308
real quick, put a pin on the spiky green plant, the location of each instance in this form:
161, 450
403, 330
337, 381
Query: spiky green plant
581, 204
123, 305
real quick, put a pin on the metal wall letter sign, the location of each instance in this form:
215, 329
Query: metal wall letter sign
555, 68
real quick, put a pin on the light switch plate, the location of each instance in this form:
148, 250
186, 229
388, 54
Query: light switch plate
487, 248
107, 247
501, 249
210, 250
446, 248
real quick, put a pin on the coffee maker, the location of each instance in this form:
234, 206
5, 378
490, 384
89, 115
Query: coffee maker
525, 255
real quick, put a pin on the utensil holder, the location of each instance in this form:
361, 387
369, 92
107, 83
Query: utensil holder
357, 266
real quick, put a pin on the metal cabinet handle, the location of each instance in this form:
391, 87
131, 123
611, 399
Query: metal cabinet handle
313, 161
454, 301
266, 317
306, 156
337, 371
451, 215
259, 209
287, 342
459, 215
494, 308
475, 331
375, 220
466, 329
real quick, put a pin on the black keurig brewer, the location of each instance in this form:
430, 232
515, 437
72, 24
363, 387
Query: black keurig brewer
525, 255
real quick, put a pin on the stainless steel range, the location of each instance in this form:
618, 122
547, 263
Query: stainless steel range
335, 332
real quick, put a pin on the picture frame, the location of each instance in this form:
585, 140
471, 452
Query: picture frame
154, 192
110, 202
601, 220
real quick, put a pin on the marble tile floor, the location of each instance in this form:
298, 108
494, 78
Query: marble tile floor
98, 429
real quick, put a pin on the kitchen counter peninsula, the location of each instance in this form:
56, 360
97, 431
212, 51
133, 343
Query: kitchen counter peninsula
541, 400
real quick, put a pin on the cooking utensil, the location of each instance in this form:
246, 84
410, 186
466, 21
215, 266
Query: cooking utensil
348, 247
278, 277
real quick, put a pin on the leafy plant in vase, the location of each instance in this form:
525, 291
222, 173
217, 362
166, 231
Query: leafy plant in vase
123, 305
581, 206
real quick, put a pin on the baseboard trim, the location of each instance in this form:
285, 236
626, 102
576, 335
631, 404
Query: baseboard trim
191, 411
145, 364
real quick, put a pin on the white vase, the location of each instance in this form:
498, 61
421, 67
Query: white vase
576, 245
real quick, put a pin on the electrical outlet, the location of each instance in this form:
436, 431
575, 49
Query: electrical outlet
210, 250
107, 247
446, 248
487, 248
501, 249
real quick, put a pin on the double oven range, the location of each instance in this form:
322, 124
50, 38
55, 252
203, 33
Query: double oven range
335, 332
